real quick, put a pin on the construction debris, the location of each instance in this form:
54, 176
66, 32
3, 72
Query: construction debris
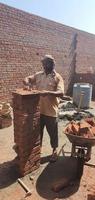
60, 184
5, 115
68, 111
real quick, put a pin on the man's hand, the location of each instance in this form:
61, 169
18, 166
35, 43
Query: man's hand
28, 82
26, 87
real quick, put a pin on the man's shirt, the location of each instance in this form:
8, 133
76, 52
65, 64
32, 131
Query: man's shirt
50, 82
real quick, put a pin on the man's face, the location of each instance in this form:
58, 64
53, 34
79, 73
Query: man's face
48, 66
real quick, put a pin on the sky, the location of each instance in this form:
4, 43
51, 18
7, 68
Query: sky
79, 14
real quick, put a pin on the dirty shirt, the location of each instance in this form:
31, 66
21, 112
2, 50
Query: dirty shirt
50, 82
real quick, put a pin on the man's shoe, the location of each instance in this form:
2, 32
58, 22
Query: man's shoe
53, 157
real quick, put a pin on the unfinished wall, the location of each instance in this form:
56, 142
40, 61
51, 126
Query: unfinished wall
25, 38
85, 59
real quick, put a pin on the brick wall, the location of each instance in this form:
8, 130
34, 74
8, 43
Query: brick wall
25, 38
85, 60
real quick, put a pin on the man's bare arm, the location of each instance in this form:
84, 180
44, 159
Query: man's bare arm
56, 93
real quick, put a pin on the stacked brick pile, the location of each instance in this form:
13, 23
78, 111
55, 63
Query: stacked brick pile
84, 128
26, 130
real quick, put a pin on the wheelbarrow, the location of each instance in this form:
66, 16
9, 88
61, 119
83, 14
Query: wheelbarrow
81, 149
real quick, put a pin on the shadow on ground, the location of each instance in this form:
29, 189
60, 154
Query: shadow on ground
8, 173
65, 167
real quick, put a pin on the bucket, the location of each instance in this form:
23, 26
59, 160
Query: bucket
83, 92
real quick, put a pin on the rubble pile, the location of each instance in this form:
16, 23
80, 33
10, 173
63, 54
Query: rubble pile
5, 115
68, 111
84, 128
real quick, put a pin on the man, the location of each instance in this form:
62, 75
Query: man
52, 84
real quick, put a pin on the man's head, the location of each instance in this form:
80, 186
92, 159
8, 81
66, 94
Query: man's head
48, 63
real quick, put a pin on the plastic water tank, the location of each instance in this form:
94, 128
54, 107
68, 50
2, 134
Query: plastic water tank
82, 93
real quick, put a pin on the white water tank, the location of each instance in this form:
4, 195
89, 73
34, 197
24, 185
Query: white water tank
82, 94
